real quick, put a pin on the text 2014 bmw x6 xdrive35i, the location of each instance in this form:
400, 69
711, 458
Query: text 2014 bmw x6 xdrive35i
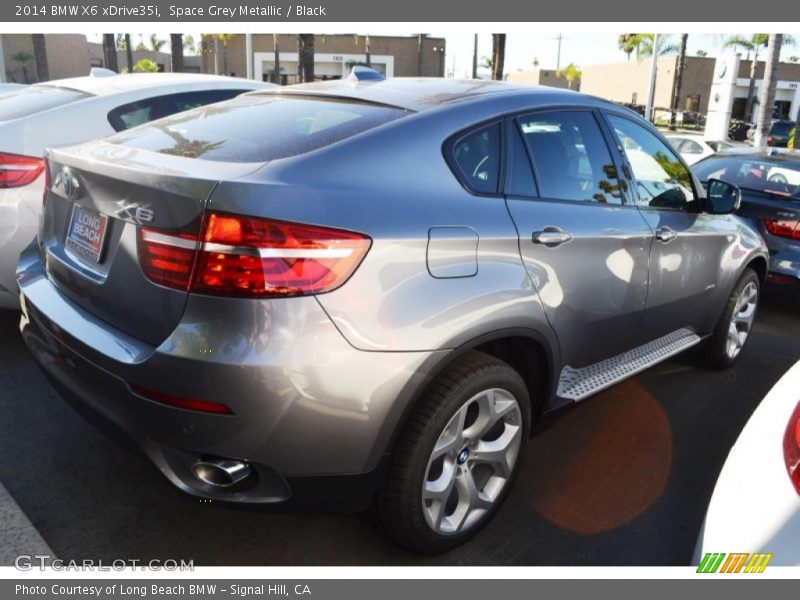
368, 292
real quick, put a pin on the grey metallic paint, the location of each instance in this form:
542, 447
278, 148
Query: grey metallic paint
321, 385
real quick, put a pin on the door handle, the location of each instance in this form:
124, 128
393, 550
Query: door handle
551, 237
665, 234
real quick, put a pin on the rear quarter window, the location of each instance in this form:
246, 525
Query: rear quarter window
475, 159
258, 128
36, 98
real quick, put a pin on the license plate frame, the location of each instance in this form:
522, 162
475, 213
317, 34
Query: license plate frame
86, 234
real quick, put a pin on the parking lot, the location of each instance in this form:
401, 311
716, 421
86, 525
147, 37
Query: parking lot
622, 479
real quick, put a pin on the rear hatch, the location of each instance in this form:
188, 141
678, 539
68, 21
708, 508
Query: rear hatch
124, 216
101, 197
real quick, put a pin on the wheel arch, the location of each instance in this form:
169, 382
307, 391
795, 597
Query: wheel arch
516, 346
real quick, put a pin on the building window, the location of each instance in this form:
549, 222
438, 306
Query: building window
693, 103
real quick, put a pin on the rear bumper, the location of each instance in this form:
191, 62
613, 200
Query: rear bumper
309, 409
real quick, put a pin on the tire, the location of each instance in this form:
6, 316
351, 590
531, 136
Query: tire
409, 507
718, 351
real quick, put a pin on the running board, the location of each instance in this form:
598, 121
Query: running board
577, 384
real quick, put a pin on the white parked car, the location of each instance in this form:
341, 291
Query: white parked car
755, 507
69, 111
693, 148
10, 87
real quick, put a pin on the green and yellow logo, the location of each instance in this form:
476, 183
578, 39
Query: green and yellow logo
719, 562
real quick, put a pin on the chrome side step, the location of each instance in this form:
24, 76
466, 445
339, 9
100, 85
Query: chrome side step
577, 384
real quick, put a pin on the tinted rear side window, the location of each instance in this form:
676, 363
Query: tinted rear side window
34, 99
476, 156
258, 128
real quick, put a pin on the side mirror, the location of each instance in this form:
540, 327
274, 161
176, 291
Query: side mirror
723, 198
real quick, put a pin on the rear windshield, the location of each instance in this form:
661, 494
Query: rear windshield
36, 98
258, 128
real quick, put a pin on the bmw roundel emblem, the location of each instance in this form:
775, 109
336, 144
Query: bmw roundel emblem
67, 185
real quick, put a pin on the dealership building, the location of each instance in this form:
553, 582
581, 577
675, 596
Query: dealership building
334, 55
627, 82
69, 55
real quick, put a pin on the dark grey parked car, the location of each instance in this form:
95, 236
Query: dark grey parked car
366, 293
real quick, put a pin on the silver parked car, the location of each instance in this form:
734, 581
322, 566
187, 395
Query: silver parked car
366, 293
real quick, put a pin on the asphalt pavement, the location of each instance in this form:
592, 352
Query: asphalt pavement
623, 478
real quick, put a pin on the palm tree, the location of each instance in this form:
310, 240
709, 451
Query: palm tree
571, 73
767, 100
676, 92
665, 47
753, 45
642, 45
793, 58
305, 51
630, 43
129, 52
189, 45
277, 68
498, 55
40, 57
216, 38
701, 53
176, 49
155, 43
110, 52
145, 65
23, 58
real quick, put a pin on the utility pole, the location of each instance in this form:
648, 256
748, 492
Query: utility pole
475, 59
651, 87
248, 43
558, 57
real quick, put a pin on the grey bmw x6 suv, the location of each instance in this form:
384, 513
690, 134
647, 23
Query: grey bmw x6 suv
367, 293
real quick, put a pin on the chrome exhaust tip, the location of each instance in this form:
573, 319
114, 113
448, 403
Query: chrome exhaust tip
221, 472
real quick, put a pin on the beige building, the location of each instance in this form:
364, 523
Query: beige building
334, 55
626, 82
69, 55
547, 77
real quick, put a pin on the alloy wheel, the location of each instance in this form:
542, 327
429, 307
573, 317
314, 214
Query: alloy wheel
744, 313
472, 462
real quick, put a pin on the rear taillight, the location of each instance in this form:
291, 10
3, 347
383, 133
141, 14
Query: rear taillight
252, 257
784, 229
167, 259
17, 170
791, 448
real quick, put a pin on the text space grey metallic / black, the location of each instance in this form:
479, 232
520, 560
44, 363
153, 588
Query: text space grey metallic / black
366, 293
